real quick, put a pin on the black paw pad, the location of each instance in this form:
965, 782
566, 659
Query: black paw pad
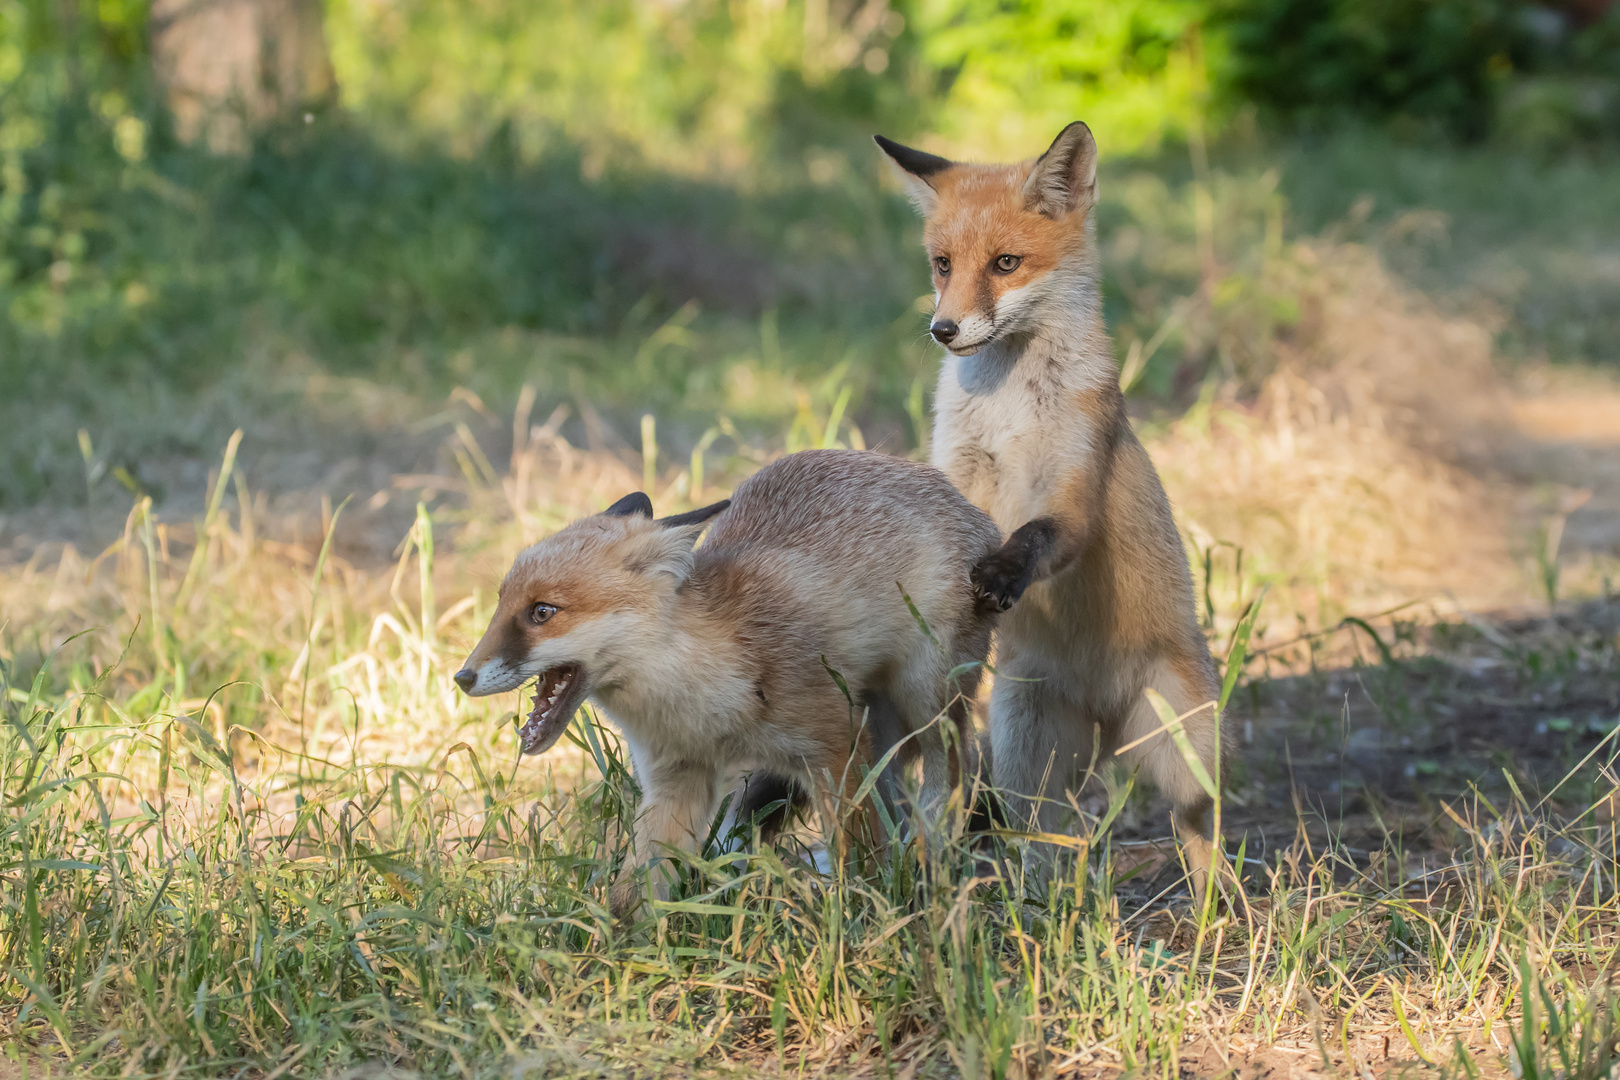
998, 582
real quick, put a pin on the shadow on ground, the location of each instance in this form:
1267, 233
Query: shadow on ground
1366, 753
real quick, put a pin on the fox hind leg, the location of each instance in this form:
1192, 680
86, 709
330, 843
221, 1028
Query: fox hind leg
766, 801
1040, 749
939, 705
1186, 688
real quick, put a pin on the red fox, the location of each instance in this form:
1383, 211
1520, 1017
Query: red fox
714, 659
1030, 424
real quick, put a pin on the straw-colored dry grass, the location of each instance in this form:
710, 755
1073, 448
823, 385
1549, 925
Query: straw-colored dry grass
1345, 480
251, 830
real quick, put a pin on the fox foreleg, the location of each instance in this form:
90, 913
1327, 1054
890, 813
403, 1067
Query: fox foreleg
675, 812
1042, 546
1001, 577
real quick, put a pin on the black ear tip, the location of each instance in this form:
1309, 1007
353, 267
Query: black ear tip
631, 505
916, 162
695, 517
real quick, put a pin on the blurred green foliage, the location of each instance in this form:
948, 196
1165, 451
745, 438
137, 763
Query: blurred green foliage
706, 85
676, 206
696, 88
1019, 71
1310, 59
1463, 67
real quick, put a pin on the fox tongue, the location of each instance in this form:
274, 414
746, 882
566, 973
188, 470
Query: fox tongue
550, 715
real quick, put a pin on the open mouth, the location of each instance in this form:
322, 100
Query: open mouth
557, 694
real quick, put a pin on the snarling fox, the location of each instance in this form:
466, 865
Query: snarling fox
1030, 424
785, 642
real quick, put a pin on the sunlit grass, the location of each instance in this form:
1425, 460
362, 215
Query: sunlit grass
249, 824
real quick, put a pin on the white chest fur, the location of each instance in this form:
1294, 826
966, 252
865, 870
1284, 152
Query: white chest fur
1007, 431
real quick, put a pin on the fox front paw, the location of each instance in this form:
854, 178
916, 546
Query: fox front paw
998, 581
623, 898
1002, 576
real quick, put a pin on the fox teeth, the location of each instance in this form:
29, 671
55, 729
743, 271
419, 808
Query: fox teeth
549, 691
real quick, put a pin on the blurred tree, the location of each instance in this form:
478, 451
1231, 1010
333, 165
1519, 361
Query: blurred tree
1317, 60
695, 87
228, 66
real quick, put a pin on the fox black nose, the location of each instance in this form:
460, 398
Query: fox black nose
944, 331
466, 677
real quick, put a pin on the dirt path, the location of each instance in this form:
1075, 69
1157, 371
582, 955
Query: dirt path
1574, 425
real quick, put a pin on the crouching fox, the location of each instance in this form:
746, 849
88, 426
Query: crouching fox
723, 657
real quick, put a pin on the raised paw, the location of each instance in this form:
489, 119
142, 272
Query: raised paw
1002, 576
999, 580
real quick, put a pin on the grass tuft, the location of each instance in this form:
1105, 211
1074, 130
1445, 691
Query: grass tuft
248, 824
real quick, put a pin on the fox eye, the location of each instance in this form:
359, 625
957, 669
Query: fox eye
942, 266
539, 613
1008, 263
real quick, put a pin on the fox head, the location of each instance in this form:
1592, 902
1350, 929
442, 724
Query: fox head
1005, 242
574, 607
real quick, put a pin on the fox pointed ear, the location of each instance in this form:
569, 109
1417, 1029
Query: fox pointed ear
694, 517
668, 549
917, 169
1064, 178
665, 552
631, 505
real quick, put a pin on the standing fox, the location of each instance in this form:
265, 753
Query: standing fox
723, 657
1030, 424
